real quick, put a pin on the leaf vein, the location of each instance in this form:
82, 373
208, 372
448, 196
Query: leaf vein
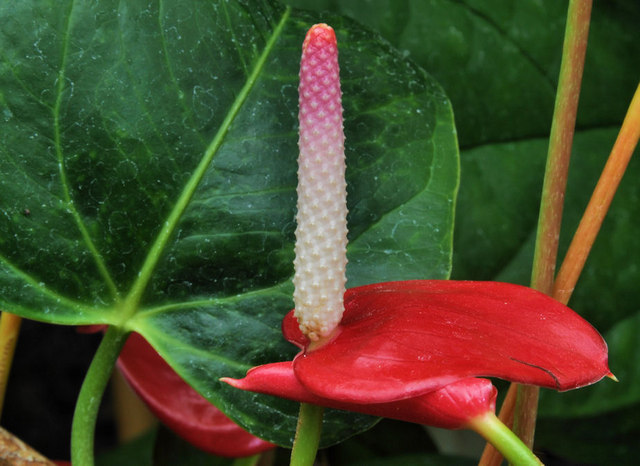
161, 241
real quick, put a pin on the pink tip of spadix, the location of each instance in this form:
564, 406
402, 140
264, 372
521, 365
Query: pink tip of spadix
318, 34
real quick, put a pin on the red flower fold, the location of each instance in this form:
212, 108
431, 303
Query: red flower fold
400, 341
450, 407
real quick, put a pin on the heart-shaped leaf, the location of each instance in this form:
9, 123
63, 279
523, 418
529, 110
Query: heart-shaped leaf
148, 161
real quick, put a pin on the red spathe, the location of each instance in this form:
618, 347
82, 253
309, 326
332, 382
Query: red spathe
402, 339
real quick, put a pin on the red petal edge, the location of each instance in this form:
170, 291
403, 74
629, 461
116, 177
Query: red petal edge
180, 407
450, 407
402, 339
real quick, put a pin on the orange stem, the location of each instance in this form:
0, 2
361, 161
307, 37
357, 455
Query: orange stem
599, 204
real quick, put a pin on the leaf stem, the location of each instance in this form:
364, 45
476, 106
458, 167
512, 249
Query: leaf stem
504, 440
95, 382
305, 444
560, 142
599, 203
584, 237
555, 182
247, 460
9, 331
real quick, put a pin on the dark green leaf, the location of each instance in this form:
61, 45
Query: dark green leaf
498, 243
171, 450
148, 162
417, 460
610, 438
137, 452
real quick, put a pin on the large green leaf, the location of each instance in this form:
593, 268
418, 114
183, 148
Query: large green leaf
148, 161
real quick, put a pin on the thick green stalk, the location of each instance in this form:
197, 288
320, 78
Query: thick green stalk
555, 181
95, 382
305, 444
247, 460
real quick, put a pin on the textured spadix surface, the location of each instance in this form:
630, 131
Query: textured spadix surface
321, 232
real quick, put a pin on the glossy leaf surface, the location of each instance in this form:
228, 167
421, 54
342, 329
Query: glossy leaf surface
498, 60
148, 160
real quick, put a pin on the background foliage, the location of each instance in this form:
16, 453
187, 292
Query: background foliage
498, 62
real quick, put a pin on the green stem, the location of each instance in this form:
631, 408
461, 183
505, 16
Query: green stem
504, 440
305, 445
247, 460
95, 382
555, 182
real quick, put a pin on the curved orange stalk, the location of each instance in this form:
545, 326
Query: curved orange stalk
598, 206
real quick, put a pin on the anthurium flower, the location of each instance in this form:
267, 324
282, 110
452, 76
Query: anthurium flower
399, 341
321, 231
409, 350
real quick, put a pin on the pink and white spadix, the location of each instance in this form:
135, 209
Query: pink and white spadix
410, 350
321, 233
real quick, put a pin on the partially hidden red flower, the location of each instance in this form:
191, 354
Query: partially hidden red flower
411, 350
180, 407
